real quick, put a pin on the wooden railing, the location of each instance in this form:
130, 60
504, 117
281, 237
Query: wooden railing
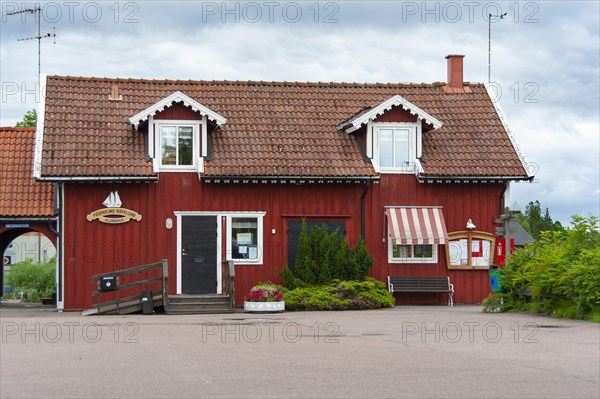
132, 302
228, 279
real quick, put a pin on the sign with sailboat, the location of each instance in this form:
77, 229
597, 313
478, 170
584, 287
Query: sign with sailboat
113, 213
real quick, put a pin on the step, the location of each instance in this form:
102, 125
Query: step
198, 298
199, 306
207, 311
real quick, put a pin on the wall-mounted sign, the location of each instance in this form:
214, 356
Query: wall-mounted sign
113, 213
16, 226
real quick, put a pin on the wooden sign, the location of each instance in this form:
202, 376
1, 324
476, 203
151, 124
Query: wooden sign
113, 213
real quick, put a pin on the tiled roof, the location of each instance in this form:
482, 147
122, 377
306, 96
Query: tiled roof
20, 195
272, 129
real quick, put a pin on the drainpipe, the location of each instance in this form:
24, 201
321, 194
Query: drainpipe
362, 209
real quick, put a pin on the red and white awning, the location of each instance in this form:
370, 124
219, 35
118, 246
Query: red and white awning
416, 225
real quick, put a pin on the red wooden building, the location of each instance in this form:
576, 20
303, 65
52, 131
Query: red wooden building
206, 171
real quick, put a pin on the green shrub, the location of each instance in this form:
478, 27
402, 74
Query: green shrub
340, 295
324, 257
38, 280
493, 303
561, 270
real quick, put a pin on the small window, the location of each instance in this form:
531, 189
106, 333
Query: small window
244, 238
419, 253
177, 145
396, 149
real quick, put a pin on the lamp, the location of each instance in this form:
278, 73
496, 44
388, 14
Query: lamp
470, 225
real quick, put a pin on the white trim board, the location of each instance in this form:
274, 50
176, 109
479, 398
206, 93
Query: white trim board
39, 130
168, 102
397, 100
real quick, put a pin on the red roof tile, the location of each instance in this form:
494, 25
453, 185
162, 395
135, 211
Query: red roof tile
272, 129
20, 195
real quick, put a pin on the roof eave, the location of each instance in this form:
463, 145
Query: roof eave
28, 218
463, 178
95, 178
288, 178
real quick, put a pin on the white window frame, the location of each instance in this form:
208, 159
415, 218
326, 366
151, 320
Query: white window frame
391, 259
197, 126
259, 239
413, 145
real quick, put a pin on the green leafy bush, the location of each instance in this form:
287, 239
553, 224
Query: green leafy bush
493, 303
36, 279
340, 295
560, 271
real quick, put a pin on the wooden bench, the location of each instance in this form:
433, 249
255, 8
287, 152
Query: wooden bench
422, 284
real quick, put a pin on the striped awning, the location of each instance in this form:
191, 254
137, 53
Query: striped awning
416, 225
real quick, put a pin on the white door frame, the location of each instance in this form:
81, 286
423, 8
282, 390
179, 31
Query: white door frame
179, 216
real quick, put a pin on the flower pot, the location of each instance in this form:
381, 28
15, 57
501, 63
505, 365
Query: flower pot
264, 306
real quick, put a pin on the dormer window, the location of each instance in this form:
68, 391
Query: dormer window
178, 143
177, 133
394, 134
396, 147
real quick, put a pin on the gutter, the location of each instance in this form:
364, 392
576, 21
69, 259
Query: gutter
28, 219
97, 178
293, 178
474, 178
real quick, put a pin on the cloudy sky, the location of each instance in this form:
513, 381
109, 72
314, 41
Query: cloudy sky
545, 61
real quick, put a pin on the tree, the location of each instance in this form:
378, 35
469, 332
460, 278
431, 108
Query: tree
29, 120
535, 223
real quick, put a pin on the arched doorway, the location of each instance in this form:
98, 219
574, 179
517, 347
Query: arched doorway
9, 232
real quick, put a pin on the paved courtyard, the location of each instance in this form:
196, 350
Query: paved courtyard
407, 351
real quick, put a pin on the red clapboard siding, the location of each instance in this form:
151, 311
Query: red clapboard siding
460, 202
178, 112
94, 247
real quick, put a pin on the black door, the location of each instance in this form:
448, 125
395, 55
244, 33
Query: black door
199, 255
295, 228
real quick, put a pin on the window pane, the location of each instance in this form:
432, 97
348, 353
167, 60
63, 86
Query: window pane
402, 251
401, 148
413, 252
185, 145
423, 251
168, 145
483, 257
386, 149
244, 238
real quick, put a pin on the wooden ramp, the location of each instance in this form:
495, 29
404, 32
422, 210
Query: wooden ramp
143, 276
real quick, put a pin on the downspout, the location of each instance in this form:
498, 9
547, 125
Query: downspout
502, 196
362, 208
59, 247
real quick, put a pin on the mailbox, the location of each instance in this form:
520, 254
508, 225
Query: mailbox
108, 283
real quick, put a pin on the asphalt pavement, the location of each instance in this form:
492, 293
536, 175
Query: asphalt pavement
407, 351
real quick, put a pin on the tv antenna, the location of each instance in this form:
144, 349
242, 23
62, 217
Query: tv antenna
32, 10
490, 16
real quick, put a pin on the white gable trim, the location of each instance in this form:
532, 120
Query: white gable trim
39, 129
397, 100
496, 101
167, 102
